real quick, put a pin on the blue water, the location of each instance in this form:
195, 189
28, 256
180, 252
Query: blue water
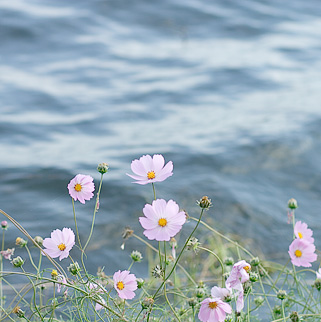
228, 90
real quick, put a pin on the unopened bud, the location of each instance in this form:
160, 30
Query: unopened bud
294, 317
258, 300
317, 284
205, 202
192, 301
127, 232
102, 167
147, 302
4, 224
255, 261
39, 240
21, 242
292, 204
254, 277
157, 272
281, 294
229, 261
54, 274
18, 312
193, 244
74, 268
277, 309
17, 261
140, 282
136, 256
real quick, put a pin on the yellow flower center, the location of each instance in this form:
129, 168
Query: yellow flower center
247, 268
78, 187
62, 246
298, 253
54, 273
120, 285
300, 235
151, 175
162, 222
212, 305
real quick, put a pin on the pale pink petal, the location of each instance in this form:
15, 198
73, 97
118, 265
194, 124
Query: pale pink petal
158, 162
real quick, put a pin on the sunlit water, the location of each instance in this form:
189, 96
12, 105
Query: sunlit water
228, 90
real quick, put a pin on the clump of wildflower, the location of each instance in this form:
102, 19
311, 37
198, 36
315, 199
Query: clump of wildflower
302, 231
81, 188
125, 284
147, 302
259, 300
229, 261
214, 310
292, 204
21, 242
294, 316
136, 256
193, 244
205, 203
281, 294
54, 274
7, 253
60, 243
39, 240
151, 169
157, 272
4, 225
239, 274
18, 312
17, 261
302, 253
162, 220
74, 268
102, 167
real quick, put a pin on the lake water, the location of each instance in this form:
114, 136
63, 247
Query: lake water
228, 90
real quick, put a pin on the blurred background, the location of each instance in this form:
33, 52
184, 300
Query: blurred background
228, 90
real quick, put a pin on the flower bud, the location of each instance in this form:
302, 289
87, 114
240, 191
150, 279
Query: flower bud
258, 300
73, 268
192, 301
147, 302
17, 261
157, 272
281, 294
255, 261
254, 277
39, 240
54, 274
277, 310
229, 261
21, 242
136, 256
18, 312
193, 244
140, 282
292, 204
205, 203
317, 284
102, 167
4, 225
294, 316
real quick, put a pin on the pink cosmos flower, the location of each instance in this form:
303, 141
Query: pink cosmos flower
81, 187
151, 169
219, 292
162, 220
7, 253
302, 231
302, 253
238, 275
213, 310
60, 243
97, 289
318, 273
125, 284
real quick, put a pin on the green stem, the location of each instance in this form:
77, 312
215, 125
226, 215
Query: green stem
179, 256
31, 260
154, 191
76, 226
